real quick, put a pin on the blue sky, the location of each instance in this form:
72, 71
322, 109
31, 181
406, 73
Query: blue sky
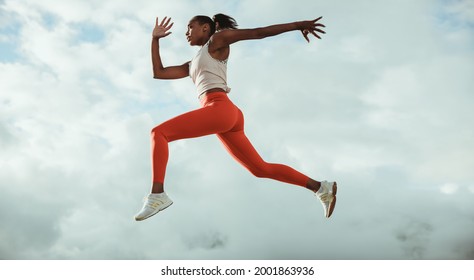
383, 104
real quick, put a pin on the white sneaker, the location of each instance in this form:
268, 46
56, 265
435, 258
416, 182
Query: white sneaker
327, 196
153, 203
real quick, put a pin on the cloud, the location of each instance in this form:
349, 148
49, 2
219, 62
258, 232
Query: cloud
382, 104
415, 236
449, 188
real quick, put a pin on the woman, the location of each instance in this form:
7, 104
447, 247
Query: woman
218, 115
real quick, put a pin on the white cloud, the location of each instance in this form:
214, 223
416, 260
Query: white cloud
449, 188
382, 104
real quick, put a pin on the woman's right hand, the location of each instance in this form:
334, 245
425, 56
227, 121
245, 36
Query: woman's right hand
161, 30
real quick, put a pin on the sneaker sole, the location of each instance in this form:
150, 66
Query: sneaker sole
332, 205
144, 218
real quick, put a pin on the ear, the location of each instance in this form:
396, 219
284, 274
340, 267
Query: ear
205, 27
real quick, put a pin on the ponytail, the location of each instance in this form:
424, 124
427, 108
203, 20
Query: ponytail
219, 22
224, 22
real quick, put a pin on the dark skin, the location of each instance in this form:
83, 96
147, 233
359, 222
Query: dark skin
219, 48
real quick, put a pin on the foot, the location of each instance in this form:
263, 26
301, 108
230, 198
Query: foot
327, 196
153, 203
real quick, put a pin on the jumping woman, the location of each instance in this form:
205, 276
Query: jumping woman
217, 114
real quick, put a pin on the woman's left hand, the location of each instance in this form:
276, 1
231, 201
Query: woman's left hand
311, 26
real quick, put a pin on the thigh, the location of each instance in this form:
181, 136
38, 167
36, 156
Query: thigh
197, 123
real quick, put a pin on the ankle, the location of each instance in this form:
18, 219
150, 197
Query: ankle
313, 185
157, 187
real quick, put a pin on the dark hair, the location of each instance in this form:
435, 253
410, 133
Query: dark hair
224, 21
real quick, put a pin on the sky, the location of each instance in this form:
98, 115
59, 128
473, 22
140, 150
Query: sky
382, 104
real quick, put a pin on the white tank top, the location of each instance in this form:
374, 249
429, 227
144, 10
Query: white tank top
207, 72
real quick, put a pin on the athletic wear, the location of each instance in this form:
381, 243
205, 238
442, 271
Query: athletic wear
327, 196
207, 72
218, 115
153, 204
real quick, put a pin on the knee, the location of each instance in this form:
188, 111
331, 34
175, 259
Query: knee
261, 171
158, 132
259, 174
155, 131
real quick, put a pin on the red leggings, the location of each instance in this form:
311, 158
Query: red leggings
218, 115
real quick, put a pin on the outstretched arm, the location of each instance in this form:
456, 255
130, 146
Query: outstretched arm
160, 72
227, 37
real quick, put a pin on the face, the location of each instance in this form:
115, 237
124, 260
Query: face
197, 34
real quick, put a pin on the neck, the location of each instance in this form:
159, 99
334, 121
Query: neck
204, 41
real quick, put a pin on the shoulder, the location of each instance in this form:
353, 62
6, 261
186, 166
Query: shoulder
230, 36
225, 33
220, 38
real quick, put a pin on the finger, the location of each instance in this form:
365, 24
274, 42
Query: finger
317, 19
156, 21
319, 30
166, 34
169, 27
305, 35
163, 21
315, 34
319, 24
167, 22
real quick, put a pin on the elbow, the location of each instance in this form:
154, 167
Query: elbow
157, 74
161, 76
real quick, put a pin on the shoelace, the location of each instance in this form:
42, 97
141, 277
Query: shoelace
325, 197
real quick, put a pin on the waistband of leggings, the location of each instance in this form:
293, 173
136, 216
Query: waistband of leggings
206, 97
